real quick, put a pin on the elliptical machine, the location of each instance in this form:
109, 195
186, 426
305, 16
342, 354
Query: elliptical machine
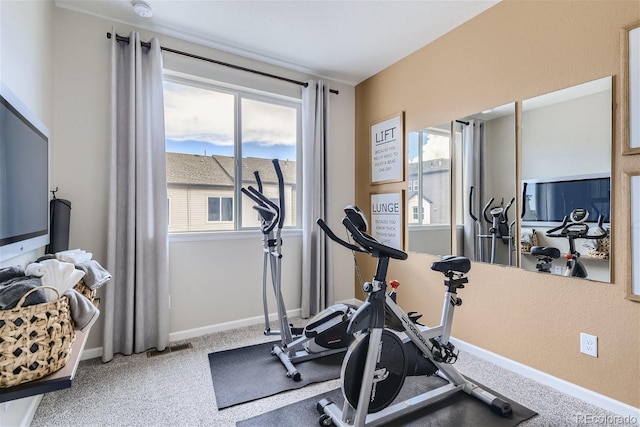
500, 228
325, 333
375, 367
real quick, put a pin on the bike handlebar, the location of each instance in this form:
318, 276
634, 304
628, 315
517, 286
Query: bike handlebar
580, 229
338, 240
368, 244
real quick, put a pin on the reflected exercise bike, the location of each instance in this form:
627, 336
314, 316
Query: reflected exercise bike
574, 226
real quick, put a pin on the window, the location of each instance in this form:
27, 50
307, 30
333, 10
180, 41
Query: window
428, 177
216, 138
220, 209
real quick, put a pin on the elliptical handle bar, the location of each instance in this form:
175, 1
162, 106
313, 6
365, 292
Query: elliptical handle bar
263, 204
486, 208
338, 240
276, 166
506, 211
524, 198
475, 218
257, 175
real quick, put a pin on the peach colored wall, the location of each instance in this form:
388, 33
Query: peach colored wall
513, 51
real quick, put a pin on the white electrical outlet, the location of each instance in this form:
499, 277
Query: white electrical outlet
589, 344
557, 269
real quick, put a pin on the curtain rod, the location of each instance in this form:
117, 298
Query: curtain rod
226, 64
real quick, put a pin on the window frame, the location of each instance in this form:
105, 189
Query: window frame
239, 93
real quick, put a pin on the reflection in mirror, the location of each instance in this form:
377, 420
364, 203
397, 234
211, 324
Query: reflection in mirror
485, 143
429, 190
566, 170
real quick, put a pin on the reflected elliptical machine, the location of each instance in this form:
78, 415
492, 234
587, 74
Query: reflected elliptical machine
375, 367
500, 227
325, 333
574, 226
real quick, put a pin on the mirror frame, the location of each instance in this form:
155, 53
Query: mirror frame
629, 56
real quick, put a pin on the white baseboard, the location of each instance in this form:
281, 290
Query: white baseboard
226, 326
205, 330
561, 385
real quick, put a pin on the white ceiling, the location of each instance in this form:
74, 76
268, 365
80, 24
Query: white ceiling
346, 41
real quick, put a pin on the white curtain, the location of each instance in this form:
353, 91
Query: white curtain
472, 177
315, 105
136, 306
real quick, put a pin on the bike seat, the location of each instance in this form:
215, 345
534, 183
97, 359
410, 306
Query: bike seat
545, 251
448, 263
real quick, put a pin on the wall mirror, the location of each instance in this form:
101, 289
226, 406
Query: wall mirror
485, 184
429, 190
566, 181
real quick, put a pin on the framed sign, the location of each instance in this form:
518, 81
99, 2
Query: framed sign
387, 150
633, 290
631, 89
387, 219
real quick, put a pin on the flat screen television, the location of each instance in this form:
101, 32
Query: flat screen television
24, 178
547, 201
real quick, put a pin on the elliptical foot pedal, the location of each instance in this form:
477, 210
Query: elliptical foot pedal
501, 407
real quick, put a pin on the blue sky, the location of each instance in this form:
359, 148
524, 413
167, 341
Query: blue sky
200, 120
249, 149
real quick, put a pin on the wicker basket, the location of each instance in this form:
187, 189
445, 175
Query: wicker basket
526, 247
602, 249
85, 290
35, 340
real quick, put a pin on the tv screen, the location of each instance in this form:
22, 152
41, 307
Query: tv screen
551, 200
24, 178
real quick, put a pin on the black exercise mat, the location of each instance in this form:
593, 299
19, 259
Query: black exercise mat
456, 410
249, 373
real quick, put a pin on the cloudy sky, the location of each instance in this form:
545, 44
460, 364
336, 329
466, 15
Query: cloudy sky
198, 120
435, 147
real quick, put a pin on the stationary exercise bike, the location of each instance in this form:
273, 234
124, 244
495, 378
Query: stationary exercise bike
325, 333
375, 367
574, 226
500, 229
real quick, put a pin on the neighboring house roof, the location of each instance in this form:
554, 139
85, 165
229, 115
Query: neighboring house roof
430, 166
219, 170
414, 195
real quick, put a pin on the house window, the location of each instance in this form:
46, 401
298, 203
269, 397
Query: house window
216, 137
219, 209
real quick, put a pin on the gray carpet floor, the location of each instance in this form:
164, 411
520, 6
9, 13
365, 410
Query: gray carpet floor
175, 389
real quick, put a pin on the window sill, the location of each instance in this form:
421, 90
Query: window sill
227, 235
